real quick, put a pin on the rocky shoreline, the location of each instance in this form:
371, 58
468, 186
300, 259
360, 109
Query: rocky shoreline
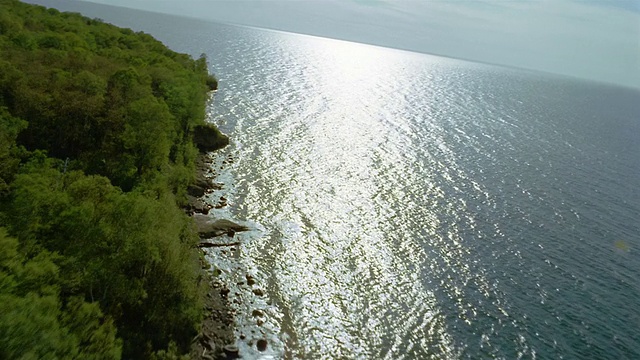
216, 339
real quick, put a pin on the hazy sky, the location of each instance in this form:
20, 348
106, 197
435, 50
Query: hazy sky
597, 40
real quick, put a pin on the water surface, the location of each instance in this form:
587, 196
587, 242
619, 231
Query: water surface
408, 206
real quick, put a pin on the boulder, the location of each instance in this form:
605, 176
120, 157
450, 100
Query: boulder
200, 186
231, 351
261, 345
250, 280
197, 205
209, 227
208, 138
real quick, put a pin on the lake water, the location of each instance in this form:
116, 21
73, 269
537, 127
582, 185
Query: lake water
408, 206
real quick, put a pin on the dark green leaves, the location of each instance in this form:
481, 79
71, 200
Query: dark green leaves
96, 144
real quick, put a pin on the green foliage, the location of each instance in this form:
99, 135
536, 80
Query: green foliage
36, 324
9, 151
96, 126
131, 253
79, 82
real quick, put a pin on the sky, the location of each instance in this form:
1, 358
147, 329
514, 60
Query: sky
590, 39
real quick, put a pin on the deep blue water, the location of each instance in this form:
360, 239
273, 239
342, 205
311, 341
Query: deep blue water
412, 206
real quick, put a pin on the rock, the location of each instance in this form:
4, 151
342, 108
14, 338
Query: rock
208, 138
209, 345
231, 351
200, 186
206, 244
222, 203
262, 345
208, 227
196, 191
250, 280
196, 205
258, 292
257, 313
203, 181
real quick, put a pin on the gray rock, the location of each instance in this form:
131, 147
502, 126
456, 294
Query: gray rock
209, 227
196, 205
209, 345
231, 351
200, 186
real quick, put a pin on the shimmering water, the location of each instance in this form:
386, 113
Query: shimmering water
413, 207
418, 207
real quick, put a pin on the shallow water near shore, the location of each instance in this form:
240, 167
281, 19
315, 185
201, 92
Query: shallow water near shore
408, 206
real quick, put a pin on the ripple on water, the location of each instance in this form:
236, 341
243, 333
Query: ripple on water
417, 207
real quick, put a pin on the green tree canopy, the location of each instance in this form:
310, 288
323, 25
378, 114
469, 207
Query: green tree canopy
96, 123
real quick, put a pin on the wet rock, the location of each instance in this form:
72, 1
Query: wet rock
207, 244
216, 186
261, 345
250, 280
231, 351
209, 227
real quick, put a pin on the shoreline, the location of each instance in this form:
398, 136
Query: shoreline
233, 292
217, 325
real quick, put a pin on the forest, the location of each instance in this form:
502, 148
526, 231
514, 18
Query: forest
97, 259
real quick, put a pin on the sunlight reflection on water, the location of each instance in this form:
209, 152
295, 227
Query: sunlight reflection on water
403, 198
411, 206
